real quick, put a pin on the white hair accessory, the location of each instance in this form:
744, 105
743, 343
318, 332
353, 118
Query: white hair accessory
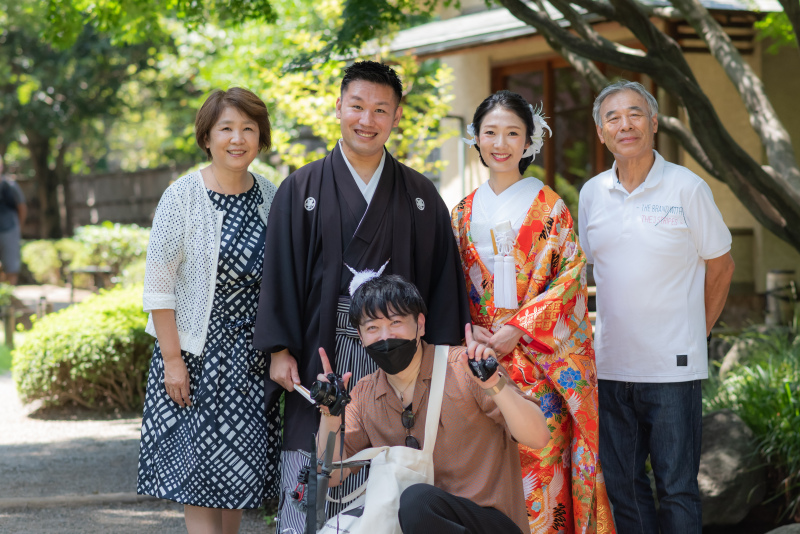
537, 139
359, 277
471, 133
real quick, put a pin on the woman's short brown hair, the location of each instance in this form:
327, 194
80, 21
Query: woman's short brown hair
243, 100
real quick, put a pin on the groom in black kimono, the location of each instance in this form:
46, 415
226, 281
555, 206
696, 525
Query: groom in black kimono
357, 209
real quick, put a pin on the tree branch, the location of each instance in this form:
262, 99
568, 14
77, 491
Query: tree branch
666, 65
658, 44
583, 66
679, 131
613, 53
604, 9
763, 117
792, 10
577, 22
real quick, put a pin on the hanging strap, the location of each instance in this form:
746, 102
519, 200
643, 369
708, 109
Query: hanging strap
435, 397
431, 423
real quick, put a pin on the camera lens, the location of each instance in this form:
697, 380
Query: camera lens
323, 393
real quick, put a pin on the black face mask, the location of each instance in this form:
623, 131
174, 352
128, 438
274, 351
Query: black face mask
393, 355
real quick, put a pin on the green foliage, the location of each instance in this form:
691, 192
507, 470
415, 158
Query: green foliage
133, 274
764, 391
5, 358
302, 101
6, 292
365, 20
42, 260
778, 30
258, 167
110, 245
93, 354
138, 20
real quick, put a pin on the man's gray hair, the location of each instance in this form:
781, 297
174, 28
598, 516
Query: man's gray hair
618, 87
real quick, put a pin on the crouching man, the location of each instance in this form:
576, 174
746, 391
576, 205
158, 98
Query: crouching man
476, 462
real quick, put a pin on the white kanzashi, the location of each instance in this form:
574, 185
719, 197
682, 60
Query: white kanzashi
537, 139
359, 277
471, 133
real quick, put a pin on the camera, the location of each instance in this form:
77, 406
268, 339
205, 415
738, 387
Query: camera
484, 369
332, 394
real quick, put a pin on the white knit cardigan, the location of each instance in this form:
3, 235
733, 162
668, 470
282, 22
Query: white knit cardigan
181, 267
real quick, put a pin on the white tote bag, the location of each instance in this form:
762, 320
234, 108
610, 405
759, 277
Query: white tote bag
392, 470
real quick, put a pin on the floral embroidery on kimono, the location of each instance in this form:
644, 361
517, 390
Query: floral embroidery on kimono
554, 361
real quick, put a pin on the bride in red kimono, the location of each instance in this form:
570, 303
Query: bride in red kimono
526, 279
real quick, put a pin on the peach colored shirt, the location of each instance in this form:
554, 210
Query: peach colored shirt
475, 456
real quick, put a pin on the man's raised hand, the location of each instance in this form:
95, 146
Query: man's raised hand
327, 369
477, 351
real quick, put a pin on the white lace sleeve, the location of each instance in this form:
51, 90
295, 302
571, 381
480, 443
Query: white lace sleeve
164, 252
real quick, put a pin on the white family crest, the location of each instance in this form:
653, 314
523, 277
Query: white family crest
420, 204
310, 203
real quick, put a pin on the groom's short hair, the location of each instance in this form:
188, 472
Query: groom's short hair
374, 72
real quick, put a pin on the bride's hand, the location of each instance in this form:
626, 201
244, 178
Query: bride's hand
504, 341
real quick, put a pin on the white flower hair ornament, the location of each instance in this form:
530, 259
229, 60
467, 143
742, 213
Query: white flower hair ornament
471, 133
537, 139
359, 277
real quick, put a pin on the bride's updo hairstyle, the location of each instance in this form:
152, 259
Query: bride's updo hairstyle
514, 103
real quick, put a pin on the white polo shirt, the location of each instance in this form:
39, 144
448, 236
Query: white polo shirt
649, 249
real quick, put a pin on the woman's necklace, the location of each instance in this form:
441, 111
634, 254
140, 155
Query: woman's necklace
222, 189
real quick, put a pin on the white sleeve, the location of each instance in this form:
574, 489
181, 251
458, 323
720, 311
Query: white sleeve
583, 216
164, 253
711, 236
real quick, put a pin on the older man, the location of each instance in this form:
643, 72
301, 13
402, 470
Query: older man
662, 264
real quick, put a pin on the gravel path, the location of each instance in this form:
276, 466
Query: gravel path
45, 454
158, 517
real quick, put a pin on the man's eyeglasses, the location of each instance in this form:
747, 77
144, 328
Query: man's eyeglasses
408, 423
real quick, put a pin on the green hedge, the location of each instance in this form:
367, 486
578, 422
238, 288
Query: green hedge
111, 245
94, 354
764, 390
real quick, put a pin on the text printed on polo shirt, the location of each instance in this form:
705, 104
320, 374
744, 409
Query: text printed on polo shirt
661, 215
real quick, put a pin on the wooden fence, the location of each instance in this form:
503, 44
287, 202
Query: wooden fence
123, 197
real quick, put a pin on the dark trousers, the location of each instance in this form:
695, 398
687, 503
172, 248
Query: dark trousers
663, 421
425, 509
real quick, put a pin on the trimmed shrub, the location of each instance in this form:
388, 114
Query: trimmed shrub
110, 245
93, 354
43, 261
764, 390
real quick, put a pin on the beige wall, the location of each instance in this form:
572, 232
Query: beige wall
781, 74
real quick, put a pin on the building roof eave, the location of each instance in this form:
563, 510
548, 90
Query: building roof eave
498, 25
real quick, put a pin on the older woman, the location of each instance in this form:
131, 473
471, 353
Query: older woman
526, 279
206, 439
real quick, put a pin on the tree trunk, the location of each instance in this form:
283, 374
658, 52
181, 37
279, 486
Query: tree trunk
47, 181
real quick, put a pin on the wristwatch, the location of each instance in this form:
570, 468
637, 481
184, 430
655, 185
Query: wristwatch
497, 388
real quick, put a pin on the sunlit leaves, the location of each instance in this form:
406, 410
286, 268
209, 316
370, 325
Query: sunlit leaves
132, 21
302, 101
777, 28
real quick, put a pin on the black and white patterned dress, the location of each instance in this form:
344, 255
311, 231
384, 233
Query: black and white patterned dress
223, 451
